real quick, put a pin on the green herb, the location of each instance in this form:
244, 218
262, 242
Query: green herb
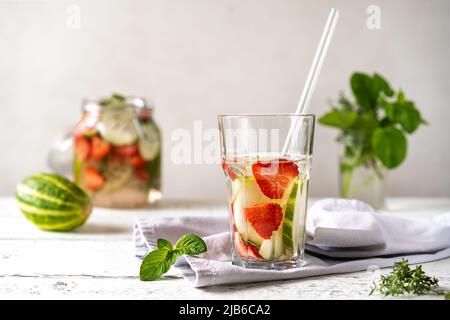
158, 262
115, 101
155, 264
118, 96
190, 244
164, 244
403, 280
373, 128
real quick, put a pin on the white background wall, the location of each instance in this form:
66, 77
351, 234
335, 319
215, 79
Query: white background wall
198, 58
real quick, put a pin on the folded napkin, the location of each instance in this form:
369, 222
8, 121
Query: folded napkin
342, 236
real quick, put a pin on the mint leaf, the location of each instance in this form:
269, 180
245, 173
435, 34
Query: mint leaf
401, 97
389, 109
361, 85
409, 117
164, 244
190, 244
367, 89
158, 262
424, 121
155, 264
338, 119
366, 123
118, 96
402, 112
389, 145
379, 84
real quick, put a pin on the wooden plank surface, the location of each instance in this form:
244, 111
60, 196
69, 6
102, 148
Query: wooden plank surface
97, 261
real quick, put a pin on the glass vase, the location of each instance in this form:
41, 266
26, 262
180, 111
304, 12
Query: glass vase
365, 182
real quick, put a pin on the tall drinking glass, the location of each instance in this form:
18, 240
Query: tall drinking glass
267, 188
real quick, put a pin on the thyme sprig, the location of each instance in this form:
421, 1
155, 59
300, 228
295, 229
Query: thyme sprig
404, 280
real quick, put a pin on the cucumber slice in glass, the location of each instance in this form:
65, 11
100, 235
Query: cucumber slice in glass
149, 142
288, 227
118, 127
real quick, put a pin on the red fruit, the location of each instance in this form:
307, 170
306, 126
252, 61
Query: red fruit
144, 115
252, 252
93, 180
126, 151
273, 178
265, 218
246, 251
100, 148
142, 174
231, 173
82, 148
137, 161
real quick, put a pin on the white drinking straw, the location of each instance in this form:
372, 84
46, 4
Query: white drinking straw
311, 81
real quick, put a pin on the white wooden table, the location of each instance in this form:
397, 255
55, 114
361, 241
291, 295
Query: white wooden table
97, 261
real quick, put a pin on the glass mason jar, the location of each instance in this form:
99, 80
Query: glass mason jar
117, 152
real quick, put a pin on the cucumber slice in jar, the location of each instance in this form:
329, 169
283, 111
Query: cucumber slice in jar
116, 177
149, 141
117, 126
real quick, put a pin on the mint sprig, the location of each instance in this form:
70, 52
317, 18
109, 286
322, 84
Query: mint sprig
157, 262
373, 125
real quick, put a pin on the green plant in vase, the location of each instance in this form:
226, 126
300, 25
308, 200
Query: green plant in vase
373, 129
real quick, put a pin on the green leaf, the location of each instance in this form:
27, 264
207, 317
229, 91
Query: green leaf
164, 244
409, 117
366, 122
345, 103
367, 89
389, 109
447, 296
159, 261
338, 119
401, 97
118, 96
403, 112
379, 84
155, 264
361, 85
190, 244
389, 145
386, 122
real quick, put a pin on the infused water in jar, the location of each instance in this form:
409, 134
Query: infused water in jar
117, 152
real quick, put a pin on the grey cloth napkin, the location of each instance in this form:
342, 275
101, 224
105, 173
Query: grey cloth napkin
342, 236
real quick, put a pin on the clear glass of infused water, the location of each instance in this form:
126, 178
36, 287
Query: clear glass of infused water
267, 187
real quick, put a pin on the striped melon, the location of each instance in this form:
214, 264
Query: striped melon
52, 202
